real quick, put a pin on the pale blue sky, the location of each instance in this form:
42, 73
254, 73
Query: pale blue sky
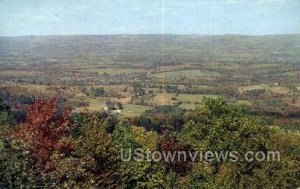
63, 17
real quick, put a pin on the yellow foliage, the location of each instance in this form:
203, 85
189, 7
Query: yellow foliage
148, 139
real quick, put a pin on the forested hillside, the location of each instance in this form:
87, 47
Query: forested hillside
84, 150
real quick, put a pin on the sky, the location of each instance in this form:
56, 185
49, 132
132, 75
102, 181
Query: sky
214, 17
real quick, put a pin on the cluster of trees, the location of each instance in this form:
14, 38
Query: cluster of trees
161, 117
54, 148
16, 97
9, 115
114, 105
4, 112
96, 92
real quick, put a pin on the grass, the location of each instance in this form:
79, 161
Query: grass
164, 99
252, 87
243, 102
280, 89
275, 89
134, 110
95, 104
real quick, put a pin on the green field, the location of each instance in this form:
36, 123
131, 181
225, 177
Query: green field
134, 110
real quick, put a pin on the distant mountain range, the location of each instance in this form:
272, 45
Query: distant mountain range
154, 49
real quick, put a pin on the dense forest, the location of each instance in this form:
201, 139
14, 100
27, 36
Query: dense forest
55, 148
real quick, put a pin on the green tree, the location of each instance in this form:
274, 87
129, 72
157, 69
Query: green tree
220, 126
5, 116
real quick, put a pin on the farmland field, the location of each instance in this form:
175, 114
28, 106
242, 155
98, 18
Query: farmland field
98, 74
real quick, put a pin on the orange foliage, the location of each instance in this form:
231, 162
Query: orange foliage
44, 128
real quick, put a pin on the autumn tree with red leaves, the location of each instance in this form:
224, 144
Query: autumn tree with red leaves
44, 128
174, 145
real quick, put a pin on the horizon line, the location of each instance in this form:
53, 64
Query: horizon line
120, 34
